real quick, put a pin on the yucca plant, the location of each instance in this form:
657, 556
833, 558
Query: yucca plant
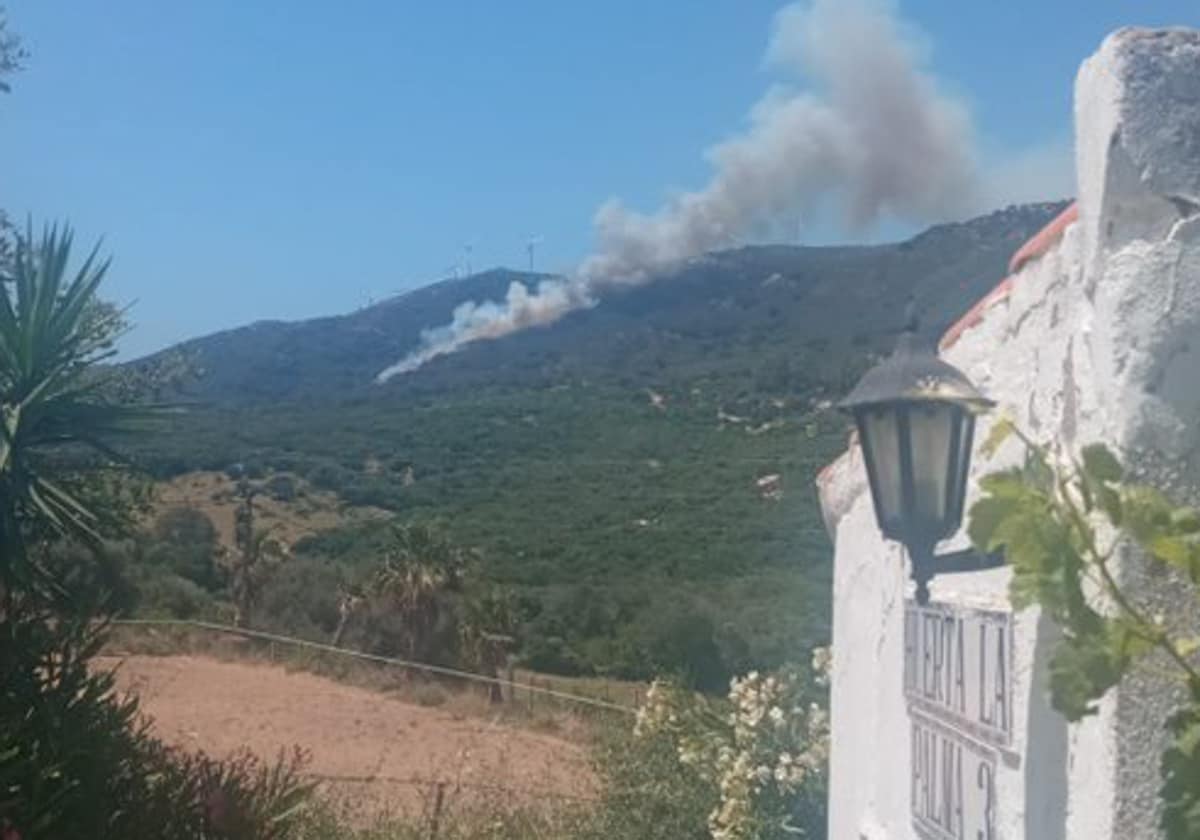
54, 332
76, 760
420, 571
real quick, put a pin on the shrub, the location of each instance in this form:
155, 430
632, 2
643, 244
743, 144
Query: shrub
429, 694
78, 761
184, 541
647, 793
552, 655
163, 593
301, 598
686, 642
185, 526
754, 764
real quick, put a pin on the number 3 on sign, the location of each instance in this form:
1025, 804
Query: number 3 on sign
945, 805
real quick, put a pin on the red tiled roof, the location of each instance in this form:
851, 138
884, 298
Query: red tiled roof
826, 472
1044, 240
975, 313
1039, 244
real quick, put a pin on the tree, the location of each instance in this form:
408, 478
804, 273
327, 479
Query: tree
12, 58
420, 570
12, 53
487, 630
76, 760
258, 554
186, 542
56, 422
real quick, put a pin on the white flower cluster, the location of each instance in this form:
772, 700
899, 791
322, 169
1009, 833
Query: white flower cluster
656, 709
822, 665
762, 754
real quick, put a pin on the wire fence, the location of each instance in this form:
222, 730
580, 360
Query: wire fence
453, 785
530, 689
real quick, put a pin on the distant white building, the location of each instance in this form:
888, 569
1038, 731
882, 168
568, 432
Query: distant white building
1095, 336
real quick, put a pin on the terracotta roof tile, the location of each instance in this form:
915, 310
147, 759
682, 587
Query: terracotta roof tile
1045, 239
975, 313
1039, 244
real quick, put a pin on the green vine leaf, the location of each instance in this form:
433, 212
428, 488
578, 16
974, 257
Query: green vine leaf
1100, 464
1007, 484
1185, 520
1109, 501
1180, 552
1082, 669
1044, 516
1146, 514
987, 515
1180, 791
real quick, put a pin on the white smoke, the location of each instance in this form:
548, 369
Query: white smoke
873, 132
491, 319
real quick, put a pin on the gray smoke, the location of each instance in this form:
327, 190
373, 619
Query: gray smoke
872, 132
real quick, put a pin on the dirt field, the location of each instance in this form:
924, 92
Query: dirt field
372, 752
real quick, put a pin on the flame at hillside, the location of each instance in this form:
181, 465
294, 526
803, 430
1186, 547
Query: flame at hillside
876, 134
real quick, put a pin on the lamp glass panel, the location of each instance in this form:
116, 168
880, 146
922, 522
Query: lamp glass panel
931, 427
965, 442
878, 425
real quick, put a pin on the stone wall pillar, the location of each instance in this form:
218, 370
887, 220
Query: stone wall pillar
1093, 338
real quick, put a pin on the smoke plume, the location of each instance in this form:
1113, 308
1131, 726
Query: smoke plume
871, 132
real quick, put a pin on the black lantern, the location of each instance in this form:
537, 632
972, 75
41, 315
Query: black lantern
916, 421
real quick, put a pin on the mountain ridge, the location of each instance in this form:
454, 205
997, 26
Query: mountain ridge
260, 360
640, 473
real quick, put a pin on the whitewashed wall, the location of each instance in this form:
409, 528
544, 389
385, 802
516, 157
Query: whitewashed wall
1096, 339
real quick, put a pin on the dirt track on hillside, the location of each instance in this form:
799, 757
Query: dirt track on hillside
371, 751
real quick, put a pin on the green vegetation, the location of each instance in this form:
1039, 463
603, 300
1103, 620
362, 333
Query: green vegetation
12, 57
75, 760
640, 476
1065, 524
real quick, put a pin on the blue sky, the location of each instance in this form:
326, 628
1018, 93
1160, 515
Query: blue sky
285, 159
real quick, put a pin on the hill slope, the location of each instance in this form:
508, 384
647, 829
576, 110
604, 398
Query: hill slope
641, 471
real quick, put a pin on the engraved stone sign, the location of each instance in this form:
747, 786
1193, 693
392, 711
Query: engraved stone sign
958, 669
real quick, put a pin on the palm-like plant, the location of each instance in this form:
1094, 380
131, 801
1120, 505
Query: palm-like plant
54, 332
253, 566
421, 567
487, 631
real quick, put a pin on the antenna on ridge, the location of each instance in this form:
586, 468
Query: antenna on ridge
531, 245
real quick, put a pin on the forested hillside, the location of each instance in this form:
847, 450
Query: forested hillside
639, 473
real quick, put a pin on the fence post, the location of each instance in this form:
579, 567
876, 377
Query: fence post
439, 796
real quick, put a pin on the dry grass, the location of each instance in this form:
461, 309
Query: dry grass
522, 707
214, 495
619, 692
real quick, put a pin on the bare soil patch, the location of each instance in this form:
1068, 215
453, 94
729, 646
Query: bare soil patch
372, 752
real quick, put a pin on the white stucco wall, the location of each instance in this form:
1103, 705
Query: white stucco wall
1095, 341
